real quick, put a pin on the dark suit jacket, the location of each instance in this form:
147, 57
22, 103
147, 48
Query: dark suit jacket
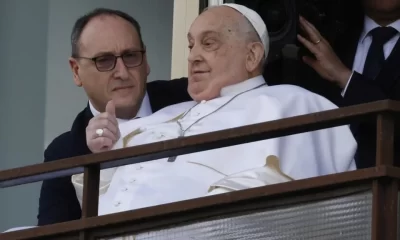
360, 90
58, 202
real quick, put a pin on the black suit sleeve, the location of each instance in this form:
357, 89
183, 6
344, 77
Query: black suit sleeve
58, 201
363, 90
165, 93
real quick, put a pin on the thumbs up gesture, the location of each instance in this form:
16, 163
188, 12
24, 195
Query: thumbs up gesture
102, 131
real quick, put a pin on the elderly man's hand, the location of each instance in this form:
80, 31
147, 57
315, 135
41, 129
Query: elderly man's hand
326, 62
102, 131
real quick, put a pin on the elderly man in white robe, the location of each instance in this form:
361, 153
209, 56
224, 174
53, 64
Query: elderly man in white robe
228, 47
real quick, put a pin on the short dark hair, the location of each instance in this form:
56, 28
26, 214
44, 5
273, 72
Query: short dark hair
81, 23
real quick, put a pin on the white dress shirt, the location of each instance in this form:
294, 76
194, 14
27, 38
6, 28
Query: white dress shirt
144, 110
364, 44
226, 169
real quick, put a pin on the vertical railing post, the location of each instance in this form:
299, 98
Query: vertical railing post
90, 201
385, 139
385, 190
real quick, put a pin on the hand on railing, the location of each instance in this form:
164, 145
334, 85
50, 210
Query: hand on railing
102, 131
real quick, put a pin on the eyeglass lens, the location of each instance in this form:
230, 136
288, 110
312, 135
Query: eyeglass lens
107, 62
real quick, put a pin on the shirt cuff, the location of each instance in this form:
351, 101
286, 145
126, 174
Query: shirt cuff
347, 84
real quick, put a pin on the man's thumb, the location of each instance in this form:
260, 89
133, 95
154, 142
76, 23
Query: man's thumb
110, 107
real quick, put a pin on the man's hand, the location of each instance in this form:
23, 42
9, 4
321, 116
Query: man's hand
326, 63
108, 125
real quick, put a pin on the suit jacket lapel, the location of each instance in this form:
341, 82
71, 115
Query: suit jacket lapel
78, 131
347, 47
390, 71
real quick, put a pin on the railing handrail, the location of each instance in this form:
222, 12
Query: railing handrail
178, 211
203, 142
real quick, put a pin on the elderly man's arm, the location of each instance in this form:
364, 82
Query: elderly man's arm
321, 152
304, 155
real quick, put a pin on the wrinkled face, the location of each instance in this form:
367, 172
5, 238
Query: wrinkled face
218, 53
102, 37
382, 6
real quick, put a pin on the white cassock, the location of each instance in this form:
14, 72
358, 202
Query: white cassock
227, 169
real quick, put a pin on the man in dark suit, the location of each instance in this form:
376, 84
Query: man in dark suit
365, 68
109, 61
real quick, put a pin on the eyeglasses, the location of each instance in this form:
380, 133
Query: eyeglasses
107, 62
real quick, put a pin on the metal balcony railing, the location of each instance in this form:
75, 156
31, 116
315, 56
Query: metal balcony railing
361, 204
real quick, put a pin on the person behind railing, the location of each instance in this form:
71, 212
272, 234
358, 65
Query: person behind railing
109, 61
360, 66
228, 48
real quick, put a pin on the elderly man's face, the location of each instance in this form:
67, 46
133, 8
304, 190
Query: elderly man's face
217, 53
105, 36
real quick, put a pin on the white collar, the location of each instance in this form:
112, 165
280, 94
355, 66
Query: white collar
144, 111
242, 86
370, 24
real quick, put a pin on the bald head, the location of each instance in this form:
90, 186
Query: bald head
225, 49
